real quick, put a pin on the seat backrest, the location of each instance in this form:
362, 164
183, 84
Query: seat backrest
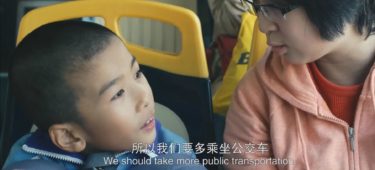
259, 45
192, 50
250, 47
238, 65
179, 81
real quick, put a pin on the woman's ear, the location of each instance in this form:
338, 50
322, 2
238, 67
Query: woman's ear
68, 137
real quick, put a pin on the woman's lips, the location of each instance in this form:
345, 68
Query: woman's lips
279, 49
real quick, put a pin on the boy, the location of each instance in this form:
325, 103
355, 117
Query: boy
87, 95
310, 102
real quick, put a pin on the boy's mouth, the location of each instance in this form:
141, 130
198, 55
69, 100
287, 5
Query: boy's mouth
149, 124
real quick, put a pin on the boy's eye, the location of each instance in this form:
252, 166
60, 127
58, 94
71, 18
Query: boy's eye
138, 74
118, 94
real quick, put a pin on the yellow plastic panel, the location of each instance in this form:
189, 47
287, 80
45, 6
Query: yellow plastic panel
191, 60
238, 65
259, 45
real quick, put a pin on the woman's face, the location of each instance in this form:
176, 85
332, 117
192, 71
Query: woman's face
295, 38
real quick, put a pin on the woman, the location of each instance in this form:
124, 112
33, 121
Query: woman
310, 102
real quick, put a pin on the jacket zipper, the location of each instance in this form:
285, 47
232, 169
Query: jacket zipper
351, 138
352, 144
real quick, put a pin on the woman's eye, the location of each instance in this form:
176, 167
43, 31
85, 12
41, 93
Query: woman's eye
138, 74
118, 94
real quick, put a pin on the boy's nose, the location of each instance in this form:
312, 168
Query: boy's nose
143, 101
142, 105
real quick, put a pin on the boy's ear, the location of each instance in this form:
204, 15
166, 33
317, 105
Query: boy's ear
68, 136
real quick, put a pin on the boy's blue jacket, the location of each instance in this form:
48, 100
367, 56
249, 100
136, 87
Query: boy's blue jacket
38, 145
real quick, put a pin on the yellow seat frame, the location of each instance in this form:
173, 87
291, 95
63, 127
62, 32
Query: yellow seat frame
191, 60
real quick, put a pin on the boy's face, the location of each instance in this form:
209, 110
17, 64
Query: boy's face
115, 100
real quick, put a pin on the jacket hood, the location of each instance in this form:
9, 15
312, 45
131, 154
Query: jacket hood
294, 83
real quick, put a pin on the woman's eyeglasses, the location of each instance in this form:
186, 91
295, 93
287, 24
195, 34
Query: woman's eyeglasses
271, 11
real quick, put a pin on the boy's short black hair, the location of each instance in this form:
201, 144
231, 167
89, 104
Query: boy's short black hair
43, 61
330, 16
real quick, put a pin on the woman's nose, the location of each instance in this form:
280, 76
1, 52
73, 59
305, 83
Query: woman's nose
266, 25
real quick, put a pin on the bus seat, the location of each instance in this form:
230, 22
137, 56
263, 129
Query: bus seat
237, 67
250, 47
259, 45
179, 81
171, 120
